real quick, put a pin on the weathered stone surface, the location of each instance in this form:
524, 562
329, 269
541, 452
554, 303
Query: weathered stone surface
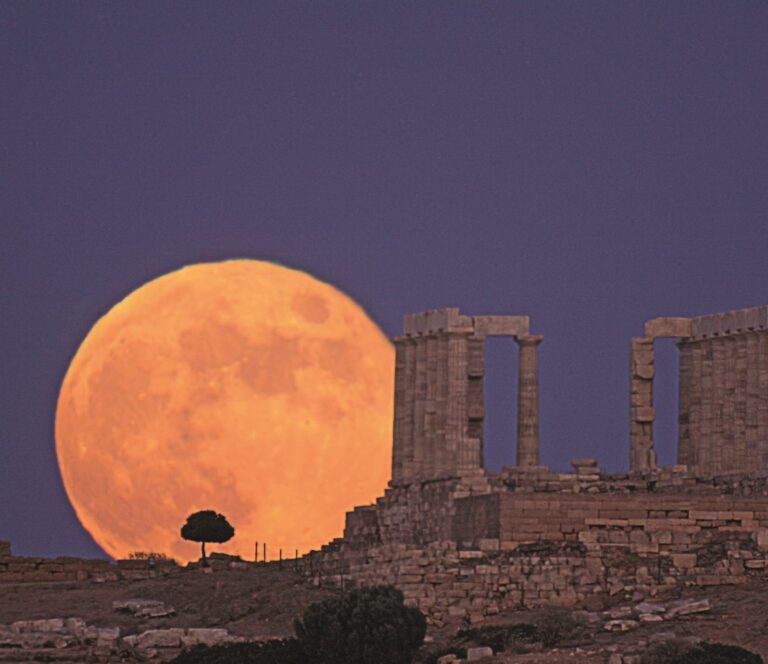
621, 625
206, 636
160, 638
649, 607
474, 654
686, 607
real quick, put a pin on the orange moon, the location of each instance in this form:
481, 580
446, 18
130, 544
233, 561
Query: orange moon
244, 387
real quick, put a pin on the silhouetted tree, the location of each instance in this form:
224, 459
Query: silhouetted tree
207, 526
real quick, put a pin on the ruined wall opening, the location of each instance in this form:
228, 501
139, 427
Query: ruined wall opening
500, 387
665, 400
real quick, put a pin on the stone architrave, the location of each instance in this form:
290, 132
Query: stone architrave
528, 402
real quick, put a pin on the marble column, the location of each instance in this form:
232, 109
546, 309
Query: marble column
642, 456
456, 403
753, 401
401, 441
684, 402
694, 409
528, 402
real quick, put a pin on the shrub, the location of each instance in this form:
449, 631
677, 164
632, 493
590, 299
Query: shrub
364, 626
557, 625
500, 637
432, 654
146, 555
681, 652
287, 651
666, 651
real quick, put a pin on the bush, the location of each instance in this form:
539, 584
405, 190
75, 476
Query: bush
500, 637
365, 626
432, 654
146, 555
557, 625
666, 651
681, 652
287, 651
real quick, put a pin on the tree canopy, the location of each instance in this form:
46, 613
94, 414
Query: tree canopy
207, 526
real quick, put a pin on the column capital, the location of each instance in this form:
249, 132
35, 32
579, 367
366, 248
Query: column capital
530, 340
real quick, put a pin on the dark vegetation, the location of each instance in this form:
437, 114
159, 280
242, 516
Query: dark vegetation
365, 626
553, 627
207, 526
286, 651
682, 652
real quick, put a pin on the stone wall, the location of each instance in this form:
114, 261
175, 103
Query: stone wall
468, 551
447, 581
24, 569
724, 402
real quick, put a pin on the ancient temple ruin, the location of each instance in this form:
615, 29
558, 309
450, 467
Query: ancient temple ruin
723, 392
462, 542
722, 406
439, 410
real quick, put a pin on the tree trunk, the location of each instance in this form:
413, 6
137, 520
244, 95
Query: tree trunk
205, 562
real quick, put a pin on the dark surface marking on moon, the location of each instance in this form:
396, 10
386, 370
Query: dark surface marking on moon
312, 308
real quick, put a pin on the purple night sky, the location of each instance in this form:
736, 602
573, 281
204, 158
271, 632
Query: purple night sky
591, 164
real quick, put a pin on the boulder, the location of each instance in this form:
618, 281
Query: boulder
621, 625
160, 638
106, 637
473, 654
650, 607
684, 607
650, 618
205, 636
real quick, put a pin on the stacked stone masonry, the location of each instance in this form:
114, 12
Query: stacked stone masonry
463, 543
723, 392
439, 408
25, 569
492, 549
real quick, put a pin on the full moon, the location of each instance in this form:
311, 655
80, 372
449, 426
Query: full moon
244, 387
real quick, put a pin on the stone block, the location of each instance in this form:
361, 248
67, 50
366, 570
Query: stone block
668, 327
161, 638
206, 636
474, 654
684, 607
621, 625
106, 637
643, 414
